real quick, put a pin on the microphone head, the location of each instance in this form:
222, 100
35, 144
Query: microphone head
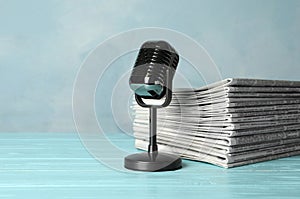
155, 62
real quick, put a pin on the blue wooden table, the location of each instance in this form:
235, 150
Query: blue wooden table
56, 165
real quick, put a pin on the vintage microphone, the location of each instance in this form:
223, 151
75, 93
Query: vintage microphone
151, 78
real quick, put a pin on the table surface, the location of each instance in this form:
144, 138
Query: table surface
56, 165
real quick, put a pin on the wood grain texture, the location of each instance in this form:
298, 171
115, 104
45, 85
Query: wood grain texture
56, 165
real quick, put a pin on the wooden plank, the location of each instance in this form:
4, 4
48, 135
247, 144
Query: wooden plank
56, 165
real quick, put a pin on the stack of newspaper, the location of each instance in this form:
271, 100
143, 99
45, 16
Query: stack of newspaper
229, 123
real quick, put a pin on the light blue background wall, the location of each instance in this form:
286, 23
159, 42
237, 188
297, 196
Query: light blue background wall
42, 44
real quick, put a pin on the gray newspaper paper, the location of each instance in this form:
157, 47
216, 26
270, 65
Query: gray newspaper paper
228, 123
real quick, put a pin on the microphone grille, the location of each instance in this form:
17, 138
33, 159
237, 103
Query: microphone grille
159, 52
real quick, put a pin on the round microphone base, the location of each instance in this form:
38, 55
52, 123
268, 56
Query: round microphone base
155, 161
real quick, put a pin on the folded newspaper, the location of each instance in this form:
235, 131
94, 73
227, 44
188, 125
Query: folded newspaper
228, 123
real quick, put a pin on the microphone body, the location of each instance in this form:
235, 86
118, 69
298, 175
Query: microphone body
155, 65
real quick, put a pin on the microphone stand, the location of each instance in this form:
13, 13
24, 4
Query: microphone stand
152, 148
154, 160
